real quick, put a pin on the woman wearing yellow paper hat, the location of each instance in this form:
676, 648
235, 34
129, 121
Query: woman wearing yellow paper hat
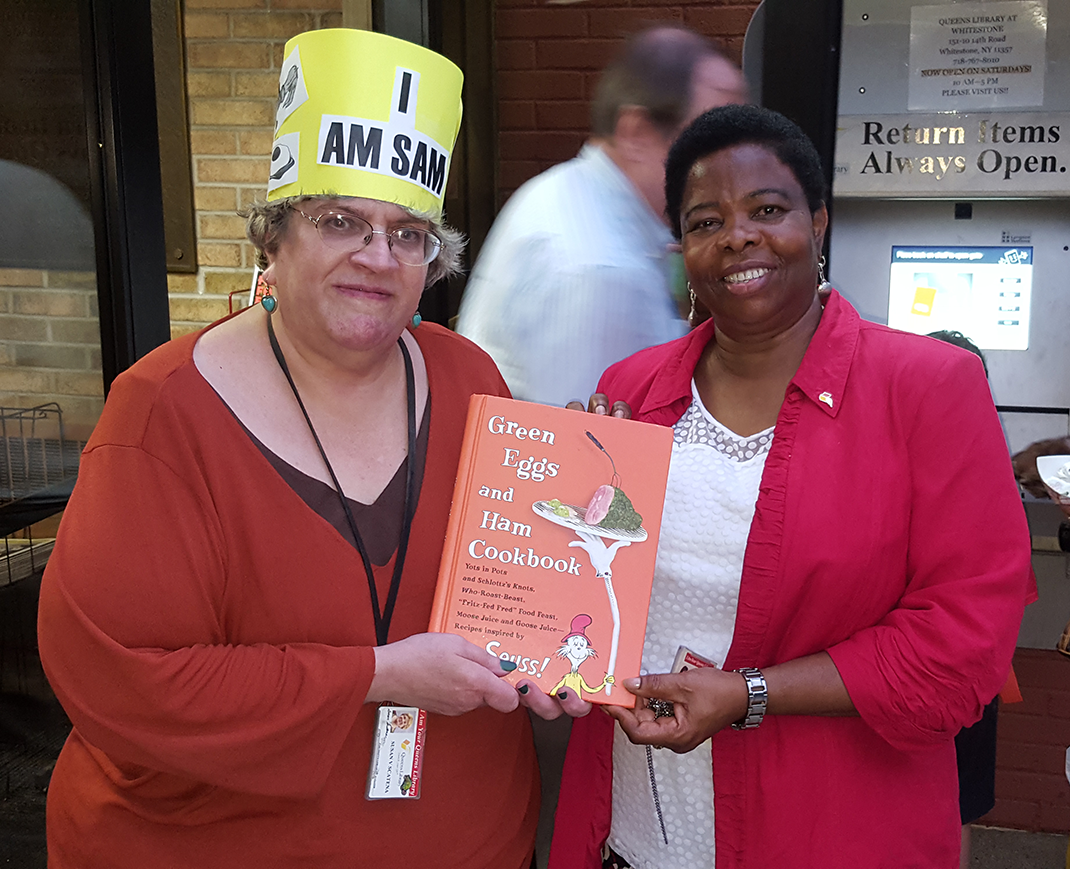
234, 611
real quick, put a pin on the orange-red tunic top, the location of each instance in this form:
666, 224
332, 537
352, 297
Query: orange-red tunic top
210, 637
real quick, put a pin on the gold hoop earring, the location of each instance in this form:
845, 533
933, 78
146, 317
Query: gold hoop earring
691, 293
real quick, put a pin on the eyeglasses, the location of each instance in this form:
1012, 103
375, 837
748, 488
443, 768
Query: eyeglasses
409, 245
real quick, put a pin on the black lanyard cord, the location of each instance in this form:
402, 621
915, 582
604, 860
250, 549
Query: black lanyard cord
382, 619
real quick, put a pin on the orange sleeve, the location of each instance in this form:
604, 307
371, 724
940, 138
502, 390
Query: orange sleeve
1010, 692
133, 642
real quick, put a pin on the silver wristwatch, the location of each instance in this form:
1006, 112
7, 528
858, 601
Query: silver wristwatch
757, 698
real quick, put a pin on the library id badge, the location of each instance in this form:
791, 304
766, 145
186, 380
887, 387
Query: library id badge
397, 753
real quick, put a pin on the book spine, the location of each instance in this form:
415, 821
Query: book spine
447, 571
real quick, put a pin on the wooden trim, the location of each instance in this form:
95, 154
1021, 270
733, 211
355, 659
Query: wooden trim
172, 120
357, 14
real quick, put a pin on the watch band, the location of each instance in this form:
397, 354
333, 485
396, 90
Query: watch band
757, 698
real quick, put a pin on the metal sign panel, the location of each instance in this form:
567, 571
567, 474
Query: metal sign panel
956, 100
983, 154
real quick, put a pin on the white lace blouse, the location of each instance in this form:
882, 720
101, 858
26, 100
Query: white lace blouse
714, 476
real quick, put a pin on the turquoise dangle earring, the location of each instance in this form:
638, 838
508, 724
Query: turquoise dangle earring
416, 319
263, 291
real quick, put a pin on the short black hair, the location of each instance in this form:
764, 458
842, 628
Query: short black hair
728, 126
653, 70
952, 336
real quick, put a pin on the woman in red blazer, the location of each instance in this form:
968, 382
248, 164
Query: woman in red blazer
843, 540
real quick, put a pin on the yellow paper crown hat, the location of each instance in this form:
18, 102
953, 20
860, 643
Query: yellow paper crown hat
364, 114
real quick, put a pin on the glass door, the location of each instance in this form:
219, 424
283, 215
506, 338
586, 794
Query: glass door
51, 387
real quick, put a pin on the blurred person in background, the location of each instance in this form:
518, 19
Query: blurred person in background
1025, 469
576, 272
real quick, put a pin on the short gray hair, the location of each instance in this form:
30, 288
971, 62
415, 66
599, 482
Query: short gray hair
266, 222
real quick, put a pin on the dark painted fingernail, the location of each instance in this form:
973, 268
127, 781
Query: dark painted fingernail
562, 695
508, 666
523, 689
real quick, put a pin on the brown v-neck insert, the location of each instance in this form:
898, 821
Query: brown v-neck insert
379, 523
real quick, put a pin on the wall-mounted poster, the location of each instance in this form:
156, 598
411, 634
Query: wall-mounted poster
977, 55
982, 292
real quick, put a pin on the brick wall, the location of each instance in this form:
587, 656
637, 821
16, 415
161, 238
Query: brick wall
549, 57
1032, 792
50, 344
233, 55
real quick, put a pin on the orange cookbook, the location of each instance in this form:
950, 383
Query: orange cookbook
551, 543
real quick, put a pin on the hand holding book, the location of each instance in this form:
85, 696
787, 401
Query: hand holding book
551, 706
598, 403
704, 701
441, 673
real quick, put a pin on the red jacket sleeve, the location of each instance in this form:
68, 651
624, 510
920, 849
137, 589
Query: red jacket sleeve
931, 664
